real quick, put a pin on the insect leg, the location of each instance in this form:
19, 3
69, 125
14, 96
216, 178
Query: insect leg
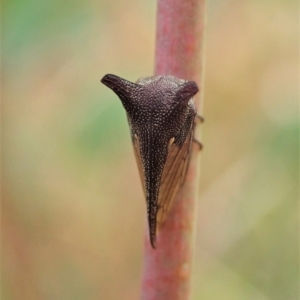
198, 143
199, 119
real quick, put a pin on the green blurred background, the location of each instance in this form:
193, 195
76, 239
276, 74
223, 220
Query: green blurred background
73, 212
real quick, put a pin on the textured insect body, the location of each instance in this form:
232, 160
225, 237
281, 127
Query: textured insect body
161, 115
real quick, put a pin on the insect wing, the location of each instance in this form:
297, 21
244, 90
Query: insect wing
137, 154
173, 176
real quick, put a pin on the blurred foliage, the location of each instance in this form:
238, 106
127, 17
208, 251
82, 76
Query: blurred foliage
73, 212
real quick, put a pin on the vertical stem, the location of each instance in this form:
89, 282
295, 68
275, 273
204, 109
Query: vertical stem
179, 43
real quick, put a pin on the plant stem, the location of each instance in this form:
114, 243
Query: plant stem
179, 43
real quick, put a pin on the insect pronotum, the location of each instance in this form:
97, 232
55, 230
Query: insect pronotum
161, 116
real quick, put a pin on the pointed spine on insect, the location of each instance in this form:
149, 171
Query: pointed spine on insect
161, 115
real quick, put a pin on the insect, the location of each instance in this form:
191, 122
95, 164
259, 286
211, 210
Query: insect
161, 116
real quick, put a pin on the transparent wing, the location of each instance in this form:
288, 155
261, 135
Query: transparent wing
173, 176
136, 148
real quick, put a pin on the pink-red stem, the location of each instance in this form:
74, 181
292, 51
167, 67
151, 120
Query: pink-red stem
179, 41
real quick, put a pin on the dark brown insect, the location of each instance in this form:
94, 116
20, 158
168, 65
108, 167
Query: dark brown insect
161, 115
